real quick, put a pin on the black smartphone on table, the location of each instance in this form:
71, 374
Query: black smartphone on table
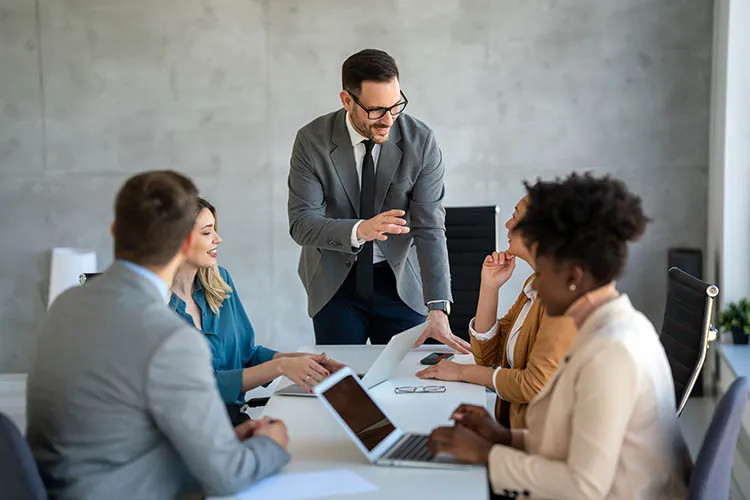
435, 358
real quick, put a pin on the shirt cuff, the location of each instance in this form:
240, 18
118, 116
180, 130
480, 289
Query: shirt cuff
354, 241
229, 383
482, 336
494, 384
260, 356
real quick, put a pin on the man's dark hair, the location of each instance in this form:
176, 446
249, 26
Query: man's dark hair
154, 213
371, 65
584, 220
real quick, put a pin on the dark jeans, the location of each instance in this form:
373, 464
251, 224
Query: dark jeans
349, 319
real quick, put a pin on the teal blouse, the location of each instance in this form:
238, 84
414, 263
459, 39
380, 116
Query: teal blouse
230, 336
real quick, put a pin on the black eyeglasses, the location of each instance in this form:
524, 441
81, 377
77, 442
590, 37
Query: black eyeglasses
378, 113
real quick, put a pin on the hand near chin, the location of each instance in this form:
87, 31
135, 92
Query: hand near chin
497, 269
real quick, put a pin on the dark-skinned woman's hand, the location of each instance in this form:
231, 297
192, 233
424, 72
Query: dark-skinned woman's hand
460, 442
479, 421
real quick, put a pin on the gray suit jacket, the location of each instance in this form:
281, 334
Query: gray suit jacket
324, 206
122, 400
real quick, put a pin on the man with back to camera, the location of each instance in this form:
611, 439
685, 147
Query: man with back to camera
121, 399
365, 203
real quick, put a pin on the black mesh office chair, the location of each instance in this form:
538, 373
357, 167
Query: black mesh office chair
472, 234
687, 331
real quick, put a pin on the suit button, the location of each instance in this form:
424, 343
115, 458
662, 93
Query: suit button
348, 263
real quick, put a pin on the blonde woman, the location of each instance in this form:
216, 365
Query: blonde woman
203, 294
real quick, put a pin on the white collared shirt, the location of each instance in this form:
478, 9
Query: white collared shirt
359, 157
510, 344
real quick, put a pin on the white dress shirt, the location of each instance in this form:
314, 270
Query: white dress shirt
359, 156
510, 345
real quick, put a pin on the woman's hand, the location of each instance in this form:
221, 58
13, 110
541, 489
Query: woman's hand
478, 420
444, 370
329, 364
302, 370
460, 442
497, 270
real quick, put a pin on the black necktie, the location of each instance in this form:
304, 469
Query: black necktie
365, 283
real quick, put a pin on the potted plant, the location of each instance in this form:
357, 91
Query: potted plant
736, 319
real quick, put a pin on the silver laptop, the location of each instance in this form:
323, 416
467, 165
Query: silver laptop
344, 395
382, 368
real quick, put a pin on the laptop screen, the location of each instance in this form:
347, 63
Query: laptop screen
359, 412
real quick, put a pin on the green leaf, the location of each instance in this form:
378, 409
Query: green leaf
736, 315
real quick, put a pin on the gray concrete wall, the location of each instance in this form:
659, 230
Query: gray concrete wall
94, 91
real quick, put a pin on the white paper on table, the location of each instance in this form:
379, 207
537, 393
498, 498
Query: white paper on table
321, 484
67, 265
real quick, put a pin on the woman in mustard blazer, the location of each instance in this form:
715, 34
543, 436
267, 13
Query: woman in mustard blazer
517, 353
604, 426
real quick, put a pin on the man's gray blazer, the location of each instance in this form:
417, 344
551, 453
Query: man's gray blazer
324, 207
122, 401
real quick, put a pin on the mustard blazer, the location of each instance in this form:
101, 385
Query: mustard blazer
541, 344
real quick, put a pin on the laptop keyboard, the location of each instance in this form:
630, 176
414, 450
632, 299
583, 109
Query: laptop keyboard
413, 448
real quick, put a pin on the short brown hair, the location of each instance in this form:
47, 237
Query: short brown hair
154, 213
369, 65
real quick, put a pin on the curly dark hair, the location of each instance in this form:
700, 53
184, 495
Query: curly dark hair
585, 220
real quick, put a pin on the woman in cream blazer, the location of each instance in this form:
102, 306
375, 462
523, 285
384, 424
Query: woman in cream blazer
518, 353
605, 425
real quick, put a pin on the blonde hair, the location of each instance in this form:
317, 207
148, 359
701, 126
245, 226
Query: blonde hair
214, 286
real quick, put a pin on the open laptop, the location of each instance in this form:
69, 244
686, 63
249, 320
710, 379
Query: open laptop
344, 395
382, 368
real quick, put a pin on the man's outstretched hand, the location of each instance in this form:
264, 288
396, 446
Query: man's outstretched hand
440, 330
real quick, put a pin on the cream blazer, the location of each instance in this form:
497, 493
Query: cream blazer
605, 425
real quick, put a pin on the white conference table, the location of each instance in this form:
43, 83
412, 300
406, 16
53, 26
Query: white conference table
318, 442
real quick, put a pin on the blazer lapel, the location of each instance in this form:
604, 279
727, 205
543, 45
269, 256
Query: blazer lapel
584, 335
521, 351
551, 382
388, 163
342, 157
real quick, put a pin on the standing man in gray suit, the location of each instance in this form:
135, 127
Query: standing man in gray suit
365, 203
121, 396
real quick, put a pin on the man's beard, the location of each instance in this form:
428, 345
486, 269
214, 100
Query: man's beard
367, 131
